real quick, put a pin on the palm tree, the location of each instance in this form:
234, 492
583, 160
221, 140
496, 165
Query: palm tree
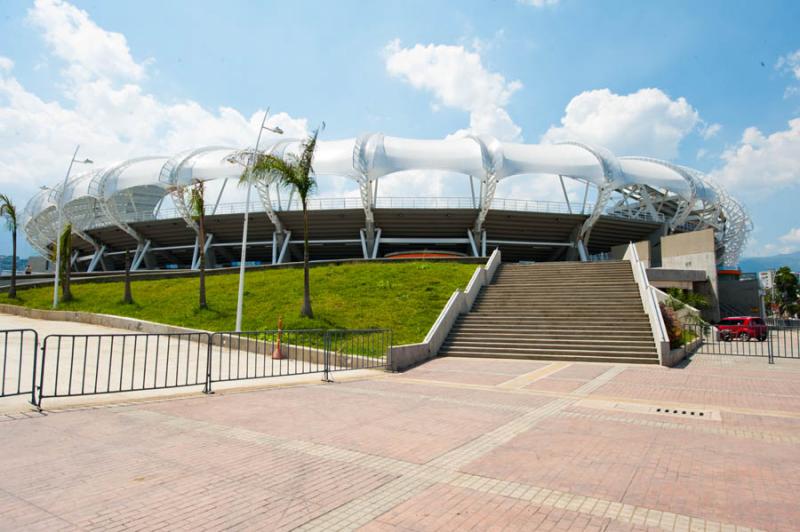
295, 172
9, 211
197, 206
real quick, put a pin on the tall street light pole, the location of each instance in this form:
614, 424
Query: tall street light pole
250, 162
60, 206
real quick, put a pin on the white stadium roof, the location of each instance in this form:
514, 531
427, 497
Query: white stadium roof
131, 191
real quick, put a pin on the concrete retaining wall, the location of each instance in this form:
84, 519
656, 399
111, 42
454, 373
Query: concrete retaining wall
674, 356
105, 320
408, 355
404, 356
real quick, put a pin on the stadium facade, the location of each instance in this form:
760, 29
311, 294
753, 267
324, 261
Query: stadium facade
140, 205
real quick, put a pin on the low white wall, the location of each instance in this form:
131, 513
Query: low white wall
649, 302
675, 356
106, 320
459, 303
407, 355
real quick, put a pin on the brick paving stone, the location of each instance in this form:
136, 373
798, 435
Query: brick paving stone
441, 447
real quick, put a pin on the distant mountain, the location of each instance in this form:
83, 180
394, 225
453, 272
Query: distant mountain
760, 264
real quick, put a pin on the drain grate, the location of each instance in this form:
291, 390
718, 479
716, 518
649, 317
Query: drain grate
680, 412
684, 412
654, 410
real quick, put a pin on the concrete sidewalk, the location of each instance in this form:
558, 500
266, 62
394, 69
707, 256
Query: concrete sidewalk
455, 444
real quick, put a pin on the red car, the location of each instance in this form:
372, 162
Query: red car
743, 328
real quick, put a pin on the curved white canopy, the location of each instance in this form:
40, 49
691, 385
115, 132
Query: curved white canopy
370, 157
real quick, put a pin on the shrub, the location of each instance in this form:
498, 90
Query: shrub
679, 298
673, 326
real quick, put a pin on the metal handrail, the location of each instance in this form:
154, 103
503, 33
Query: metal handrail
649, 299
498, 204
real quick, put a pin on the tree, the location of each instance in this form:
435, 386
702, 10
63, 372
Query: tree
127, 298
295, 172
197, 206
786, 289
9, 211
66, 260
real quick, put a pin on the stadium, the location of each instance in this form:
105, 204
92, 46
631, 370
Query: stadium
140, 205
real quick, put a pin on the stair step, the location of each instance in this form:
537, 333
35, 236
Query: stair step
599, 330
561, 314
557, 311
543, 351
519, 353
513, 347
556, 321
555, 357
544, 336
569, 303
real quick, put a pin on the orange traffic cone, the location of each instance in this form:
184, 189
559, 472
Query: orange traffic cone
276, 353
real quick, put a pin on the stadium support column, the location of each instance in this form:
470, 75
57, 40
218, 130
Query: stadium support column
369, 189
612, 177
279, 234
98, 248
368, 155
492, 159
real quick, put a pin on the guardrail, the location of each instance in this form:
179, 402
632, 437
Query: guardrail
19, 358
354, 202
93, 364
769, 341
274, 353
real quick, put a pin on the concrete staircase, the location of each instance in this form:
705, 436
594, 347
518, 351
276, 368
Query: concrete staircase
557, 311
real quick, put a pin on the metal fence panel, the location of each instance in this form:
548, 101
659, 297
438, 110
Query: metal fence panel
90, 364
275, 353
19, 362
779, 342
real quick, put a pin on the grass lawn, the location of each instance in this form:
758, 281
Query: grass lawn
405, 297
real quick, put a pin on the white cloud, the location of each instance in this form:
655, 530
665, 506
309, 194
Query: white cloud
647, 122
710, 131
102, 107
89, 50
792, 237
538, 3
458, 79
762, 164
790, 63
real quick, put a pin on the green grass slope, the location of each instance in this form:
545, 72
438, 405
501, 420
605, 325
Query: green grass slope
405, 297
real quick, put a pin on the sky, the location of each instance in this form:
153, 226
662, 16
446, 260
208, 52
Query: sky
714, 85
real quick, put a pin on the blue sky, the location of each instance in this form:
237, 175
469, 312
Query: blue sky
713, 85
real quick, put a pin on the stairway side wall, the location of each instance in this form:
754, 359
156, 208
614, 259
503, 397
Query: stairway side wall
408, 355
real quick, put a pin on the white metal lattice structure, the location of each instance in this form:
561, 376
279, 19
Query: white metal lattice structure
631, 187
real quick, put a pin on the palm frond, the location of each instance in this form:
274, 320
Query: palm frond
307, 156
197, 200
9, 211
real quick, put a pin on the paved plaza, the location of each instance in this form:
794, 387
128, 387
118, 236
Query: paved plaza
454, 444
